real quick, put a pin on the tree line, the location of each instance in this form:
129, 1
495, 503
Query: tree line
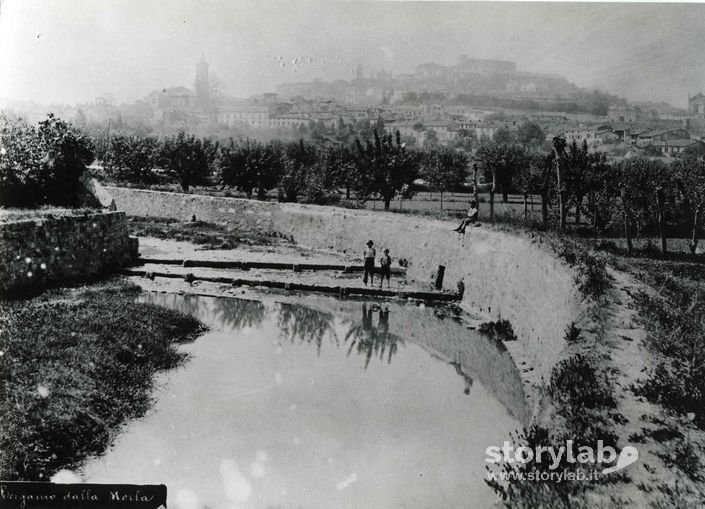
638, 196
301, 171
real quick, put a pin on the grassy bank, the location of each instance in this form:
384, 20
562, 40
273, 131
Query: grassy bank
672, 309
204, 234
75, 365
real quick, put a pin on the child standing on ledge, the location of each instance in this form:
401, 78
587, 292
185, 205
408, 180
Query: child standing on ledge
385, 264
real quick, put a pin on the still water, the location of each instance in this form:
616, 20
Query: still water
340, 405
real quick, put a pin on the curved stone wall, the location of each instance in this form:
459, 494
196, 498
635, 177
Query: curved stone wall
505, 275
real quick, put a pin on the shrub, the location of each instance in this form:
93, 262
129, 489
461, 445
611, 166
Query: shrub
575, 383
592, 279
686, 457
41, 165
572, 333
501, 329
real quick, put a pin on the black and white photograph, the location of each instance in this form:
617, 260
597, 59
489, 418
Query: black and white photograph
352, 254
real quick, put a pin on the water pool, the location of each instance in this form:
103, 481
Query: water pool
341, 404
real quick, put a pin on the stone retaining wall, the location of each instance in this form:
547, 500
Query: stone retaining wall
505, 275
49, 250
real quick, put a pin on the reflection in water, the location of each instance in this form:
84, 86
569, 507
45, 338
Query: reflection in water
466, 377
308, 325
459, 370
256, 421
368, 335
239, 313
371, 340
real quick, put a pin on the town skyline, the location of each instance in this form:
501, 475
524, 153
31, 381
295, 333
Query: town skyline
120, 48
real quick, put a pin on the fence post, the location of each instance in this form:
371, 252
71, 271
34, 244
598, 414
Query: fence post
439, 277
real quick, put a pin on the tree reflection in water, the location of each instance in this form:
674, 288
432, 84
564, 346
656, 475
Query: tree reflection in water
239, 313
297, 322
369, 340
308, 325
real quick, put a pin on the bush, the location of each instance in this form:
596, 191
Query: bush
592, 277
572, 333
575, 383
501, 329
676, 332
42, 165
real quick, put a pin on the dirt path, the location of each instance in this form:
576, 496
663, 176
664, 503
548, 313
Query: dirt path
627, 362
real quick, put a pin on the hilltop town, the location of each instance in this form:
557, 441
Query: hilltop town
447, 105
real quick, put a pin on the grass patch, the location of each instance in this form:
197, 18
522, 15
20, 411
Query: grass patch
591, 278
582, 399
207, 235
75, 365
575, 385
674, 316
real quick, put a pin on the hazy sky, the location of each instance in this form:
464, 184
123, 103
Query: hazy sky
74, 50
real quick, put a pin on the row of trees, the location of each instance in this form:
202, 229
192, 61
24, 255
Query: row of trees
641, 196
301, 171
42, 165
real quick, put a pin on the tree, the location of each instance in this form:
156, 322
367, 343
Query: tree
444, 170
637, 191
43, 165
298, 161
503, 136
67, 153
384, 166
492, 159
690, 177
20, 163
577, 176
249, 165
132, 158
694, 151
538, 179
501, 163
186, 158
431, 139
465, 140
530, 134
603, 185
559, 161
339, 164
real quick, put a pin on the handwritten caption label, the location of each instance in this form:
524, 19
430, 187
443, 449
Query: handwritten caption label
46, 495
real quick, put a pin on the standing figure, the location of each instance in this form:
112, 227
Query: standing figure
370, 255
385, 268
